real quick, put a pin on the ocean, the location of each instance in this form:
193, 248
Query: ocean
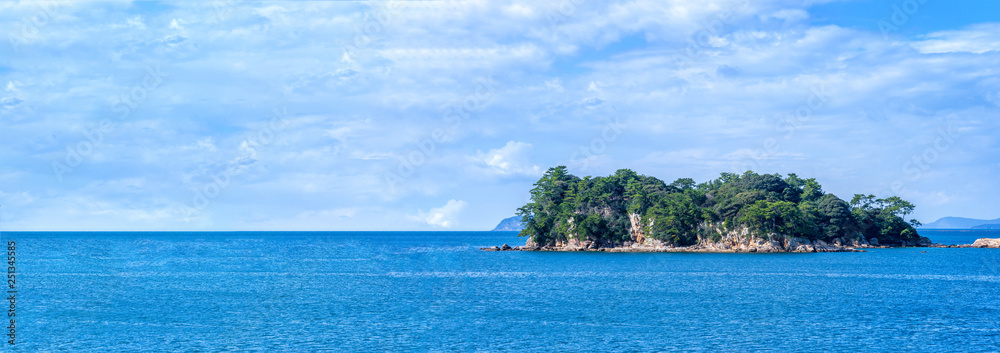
435, 291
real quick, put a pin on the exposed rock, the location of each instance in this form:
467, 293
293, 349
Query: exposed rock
738, 240
857, 241
636, 228
987, 243
735, 240
530, 243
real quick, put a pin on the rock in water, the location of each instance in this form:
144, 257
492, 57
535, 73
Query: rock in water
505, 247
987, 243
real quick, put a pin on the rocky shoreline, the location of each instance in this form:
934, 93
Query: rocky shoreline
786, 245
981, 243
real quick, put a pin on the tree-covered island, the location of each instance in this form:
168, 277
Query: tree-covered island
749, 212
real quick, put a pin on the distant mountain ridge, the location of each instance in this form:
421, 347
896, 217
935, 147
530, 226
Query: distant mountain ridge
988, 226
512, 224
962, 223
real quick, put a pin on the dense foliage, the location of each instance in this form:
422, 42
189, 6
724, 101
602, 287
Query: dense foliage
598, 209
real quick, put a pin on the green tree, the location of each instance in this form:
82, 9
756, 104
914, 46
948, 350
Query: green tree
882, 219
543, 216
563, 206
781, 217
834, 216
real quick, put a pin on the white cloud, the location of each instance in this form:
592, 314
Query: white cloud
594, 87
331, 214
357, 114
17, 198
126, 185
465, 58
519, 10
976, 39
445, 216
789, 15
749, 154
272, 11
514, 158
993, 98
135, 22
177, 24
679, 157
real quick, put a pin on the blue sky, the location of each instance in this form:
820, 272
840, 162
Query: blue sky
335, 115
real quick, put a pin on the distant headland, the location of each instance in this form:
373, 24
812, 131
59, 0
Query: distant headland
963, 223
510, 224
749, 212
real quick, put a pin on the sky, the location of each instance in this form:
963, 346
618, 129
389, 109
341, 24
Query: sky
440, 115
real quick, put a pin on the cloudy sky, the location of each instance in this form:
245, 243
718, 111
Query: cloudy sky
434, 115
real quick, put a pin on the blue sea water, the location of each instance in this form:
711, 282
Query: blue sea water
958, 236
434, 291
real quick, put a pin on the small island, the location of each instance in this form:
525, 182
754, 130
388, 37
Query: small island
628, 212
